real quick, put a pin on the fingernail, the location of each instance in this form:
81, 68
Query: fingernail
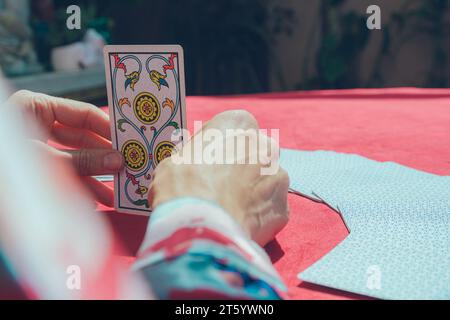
113, 161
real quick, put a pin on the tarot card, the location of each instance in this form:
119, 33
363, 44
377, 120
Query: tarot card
146, 98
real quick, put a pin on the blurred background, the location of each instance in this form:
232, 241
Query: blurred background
231, 46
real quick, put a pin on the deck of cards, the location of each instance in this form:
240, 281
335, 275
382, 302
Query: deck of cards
146, 98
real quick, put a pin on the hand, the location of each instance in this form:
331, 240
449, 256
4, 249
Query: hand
257, 202
77, 125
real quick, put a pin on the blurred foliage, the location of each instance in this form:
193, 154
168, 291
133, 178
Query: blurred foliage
343, 38
231, 45
430, 18
50, 31
343, 42
228, 44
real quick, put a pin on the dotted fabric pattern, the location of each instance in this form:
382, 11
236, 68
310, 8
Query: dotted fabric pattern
398, 218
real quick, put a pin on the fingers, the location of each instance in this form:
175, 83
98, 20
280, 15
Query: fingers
273, 214
89, 162
281, 194
102, 192
268, 155
280, 201
233, 119
68, 112
220, 125
78, 138
81, 115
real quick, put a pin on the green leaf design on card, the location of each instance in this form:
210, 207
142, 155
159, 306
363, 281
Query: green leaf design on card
141, 202
174, 124
120, 124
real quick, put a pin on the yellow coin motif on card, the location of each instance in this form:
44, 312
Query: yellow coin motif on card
146, 108
135, 155
163, 150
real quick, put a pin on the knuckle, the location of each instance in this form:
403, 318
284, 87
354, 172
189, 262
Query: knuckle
151, 194
36, 104
285, 217
85, 122
269, 142
22, 93
284, 177
83, 162
240, 117
274, 143
164, 164
244, 117
83, 140
20, 96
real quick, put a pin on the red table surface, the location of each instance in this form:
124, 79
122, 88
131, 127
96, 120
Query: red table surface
406, 125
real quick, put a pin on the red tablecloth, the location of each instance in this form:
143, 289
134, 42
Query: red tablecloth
408, 126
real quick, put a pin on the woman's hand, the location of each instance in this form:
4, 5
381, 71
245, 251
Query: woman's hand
80, 126
257, 202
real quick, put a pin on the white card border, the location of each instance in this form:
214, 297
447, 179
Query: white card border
181, 74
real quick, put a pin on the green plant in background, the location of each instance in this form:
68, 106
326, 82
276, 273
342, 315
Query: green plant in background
430, 18
51, 32
414, 20
231, 45
344, 39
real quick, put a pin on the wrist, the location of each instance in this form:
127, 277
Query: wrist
228, 207
181, 212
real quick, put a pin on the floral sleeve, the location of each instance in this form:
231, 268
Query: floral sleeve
194, 250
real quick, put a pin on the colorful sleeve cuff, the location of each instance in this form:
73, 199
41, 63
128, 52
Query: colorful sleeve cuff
194, 249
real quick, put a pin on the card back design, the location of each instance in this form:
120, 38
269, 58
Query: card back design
398, 222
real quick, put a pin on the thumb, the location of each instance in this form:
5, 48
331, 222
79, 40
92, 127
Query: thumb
89, 162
